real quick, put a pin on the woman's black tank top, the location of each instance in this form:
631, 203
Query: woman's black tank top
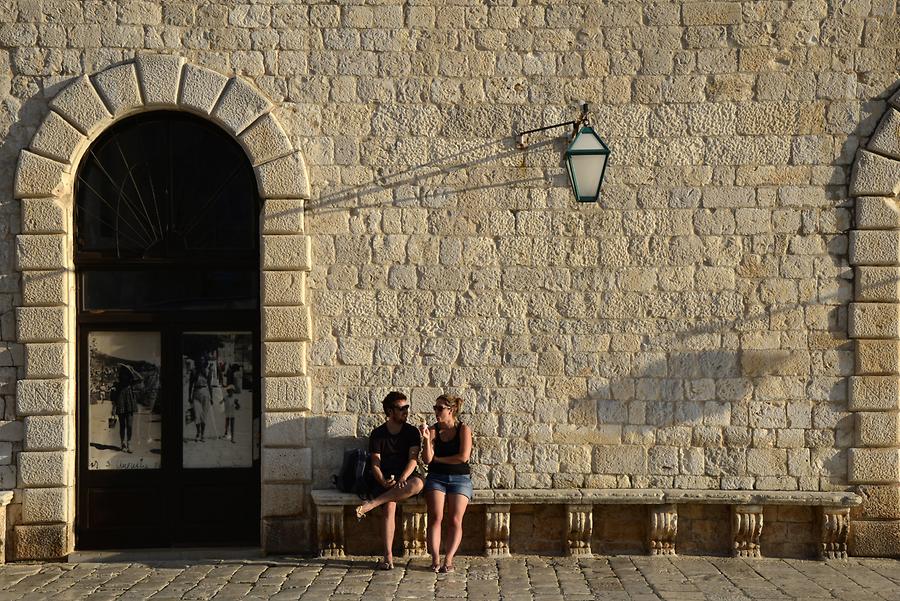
446, 449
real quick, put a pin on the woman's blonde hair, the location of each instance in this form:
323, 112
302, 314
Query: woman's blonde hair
454, 402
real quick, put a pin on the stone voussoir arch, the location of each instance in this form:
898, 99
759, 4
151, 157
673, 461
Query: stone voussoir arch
45, 318
874, 323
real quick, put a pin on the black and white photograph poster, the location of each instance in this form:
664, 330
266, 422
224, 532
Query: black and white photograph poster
217, 393
125, 412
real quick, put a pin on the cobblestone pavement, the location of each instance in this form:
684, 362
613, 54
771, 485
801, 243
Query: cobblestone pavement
479, 579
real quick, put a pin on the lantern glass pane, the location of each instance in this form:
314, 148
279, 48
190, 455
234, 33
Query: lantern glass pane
586, 141
586, 172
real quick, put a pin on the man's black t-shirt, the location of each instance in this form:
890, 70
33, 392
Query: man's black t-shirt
394, 449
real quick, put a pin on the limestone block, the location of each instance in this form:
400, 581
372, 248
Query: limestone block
875, 212
874, 320
265, 140
619, 459
44, 288
282, 216
286, 323
886, 139
290, 252
44, 216
877, 357
286, 465
284, 358
41, 251
201, 88
11, 431
284, 500
48, 541
286, 394
284, 429
42, 468
240, 105
39, 177
43, 505
874, 393
875, 538
119, 88
283, 288
875, 175
877, 284
41, 324
895, 100
46, 432
774, 362
42, 397
877, 429
45, 360
159, 76
57, 139
81, 105
285, 177
875, 247
874, 466
879, 503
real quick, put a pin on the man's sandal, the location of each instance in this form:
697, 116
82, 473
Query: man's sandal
360, 514
384, 565
445, 569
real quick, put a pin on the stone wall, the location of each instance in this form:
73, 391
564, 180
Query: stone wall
689, 331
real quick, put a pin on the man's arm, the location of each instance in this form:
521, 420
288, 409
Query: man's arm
410, 466
376, 471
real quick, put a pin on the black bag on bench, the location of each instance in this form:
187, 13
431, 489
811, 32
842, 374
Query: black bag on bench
356, 473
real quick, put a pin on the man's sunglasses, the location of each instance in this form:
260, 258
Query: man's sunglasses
400, 407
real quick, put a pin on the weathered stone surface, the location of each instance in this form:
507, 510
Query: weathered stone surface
42, 397
877, 429
42, 468
619, 459
282, 535
286, 465
46, 432
877, 284
283, 288
41, 324
159, 77
875, 538
284, 358
44, 216
43, 505
874, 466
47, 541
286, 252
81, 105
880, 502
41, 252
286, 323
265, 140
44, 288
886, 139
240, 105
201, 88
284, 429
875, 212
287, 393
57, 139
875, 247
282, 216
119, 88
45, 360
875, 175
37, 176
284, 500
877, 357
874, 320
874, 393
774, 362
285, 177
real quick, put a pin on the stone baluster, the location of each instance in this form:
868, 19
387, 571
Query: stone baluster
415, 524
496, 531
330, 528
835, 530
580, 525
746, 528
663, 528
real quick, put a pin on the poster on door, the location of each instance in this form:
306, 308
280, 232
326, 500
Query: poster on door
217, 399
124, 409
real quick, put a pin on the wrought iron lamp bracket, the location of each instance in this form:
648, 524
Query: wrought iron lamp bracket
522, 137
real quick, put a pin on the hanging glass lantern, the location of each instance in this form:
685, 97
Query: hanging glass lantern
586, 160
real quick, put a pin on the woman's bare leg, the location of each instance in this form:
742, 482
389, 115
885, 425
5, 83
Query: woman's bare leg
434, 499
456, 508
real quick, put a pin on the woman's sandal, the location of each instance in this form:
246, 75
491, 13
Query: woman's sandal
435, 568
384, 565
445, 569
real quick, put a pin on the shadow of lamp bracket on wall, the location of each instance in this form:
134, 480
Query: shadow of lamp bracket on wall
586, 155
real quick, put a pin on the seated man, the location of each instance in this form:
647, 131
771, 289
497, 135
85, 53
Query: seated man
394, 446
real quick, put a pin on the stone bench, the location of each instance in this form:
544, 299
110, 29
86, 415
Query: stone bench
6, 497
746, 521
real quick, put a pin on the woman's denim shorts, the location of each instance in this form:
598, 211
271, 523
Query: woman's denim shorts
450, 484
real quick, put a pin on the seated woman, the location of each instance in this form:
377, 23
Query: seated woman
446, 450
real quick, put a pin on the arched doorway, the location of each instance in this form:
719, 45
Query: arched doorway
166, 255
